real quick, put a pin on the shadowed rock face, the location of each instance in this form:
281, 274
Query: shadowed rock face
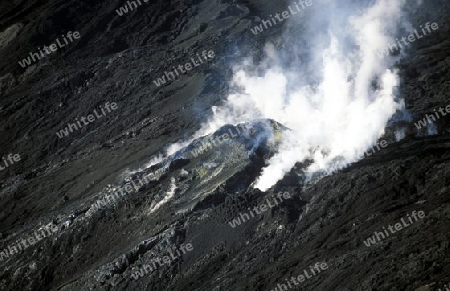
114, 213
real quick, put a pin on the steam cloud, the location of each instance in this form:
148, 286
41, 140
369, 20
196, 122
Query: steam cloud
327, 84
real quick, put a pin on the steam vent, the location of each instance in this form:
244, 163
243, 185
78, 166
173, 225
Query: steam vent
225, 145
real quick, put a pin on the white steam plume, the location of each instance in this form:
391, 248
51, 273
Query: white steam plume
336, 95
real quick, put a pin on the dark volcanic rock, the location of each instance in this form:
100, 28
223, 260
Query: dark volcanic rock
102, 239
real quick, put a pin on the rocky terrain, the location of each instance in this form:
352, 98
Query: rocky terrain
102, 241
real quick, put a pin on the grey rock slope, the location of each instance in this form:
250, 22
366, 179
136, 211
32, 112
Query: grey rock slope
103, 240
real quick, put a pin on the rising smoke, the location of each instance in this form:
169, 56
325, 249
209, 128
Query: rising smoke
325, 82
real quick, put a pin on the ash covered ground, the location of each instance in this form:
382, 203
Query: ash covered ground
105, 208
